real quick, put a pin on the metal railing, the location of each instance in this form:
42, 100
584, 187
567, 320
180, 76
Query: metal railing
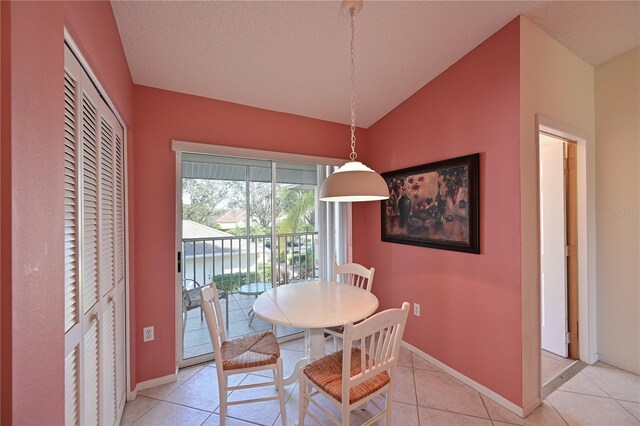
233, 261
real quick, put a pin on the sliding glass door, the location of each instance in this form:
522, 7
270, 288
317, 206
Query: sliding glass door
247, 225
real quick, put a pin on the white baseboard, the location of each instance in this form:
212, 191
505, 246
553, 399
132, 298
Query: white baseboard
519, 411
132, 395
158, 381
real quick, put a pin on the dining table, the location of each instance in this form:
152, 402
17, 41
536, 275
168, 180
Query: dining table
314, 306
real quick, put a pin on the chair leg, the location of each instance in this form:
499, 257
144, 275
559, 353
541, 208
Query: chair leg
302, 384
387, 406
222, 390
345, 413
337, 343
281, 392
184, 324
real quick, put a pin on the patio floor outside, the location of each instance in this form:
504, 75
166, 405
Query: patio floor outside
196, 337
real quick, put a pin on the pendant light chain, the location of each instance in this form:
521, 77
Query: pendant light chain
353, 181
353, 154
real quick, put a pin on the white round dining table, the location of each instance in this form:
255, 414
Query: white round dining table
314, 306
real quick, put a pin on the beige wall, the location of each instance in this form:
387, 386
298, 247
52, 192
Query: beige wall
617, 88
558, 85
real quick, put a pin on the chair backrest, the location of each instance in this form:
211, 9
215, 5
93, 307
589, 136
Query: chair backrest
213, 315
379, 340
190, 284
354, 274
190, 294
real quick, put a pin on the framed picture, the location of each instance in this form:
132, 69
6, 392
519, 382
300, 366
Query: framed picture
434, 205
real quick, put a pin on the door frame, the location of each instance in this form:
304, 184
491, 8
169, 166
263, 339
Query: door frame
180, 147
586, 215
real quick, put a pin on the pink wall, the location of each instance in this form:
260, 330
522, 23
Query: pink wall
159, 117
470, 303
33, 185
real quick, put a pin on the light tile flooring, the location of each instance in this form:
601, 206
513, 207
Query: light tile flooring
423, 395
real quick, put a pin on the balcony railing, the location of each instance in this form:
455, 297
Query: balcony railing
233, 261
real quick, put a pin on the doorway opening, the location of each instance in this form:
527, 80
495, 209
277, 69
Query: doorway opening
559, 313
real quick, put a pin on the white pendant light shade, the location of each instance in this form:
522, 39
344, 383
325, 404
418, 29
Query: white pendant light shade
354, 182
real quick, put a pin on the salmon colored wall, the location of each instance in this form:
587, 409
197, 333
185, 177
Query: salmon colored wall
159, 117
470, 303
33, 186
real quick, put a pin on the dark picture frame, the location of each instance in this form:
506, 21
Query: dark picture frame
434, 205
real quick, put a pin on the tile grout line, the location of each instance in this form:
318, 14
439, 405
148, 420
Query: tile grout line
439, 409
610, 397
558, 412
170, 393
172, 403
456, 412
139, 417
486, 409
415, 385
625, 408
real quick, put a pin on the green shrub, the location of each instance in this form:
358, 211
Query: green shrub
233, 281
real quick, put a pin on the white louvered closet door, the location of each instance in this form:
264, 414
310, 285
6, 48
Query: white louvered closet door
94, 254
72, 326
108, 127
90, 243
119, 261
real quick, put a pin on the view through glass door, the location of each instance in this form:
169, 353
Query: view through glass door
247, 225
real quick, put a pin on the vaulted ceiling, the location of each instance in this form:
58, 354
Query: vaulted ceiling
294, 56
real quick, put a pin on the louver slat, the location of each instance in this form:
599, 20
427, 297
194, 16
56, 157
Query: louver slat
71, 308
119, 208
72, 388
90, 205
91, 392
108, 367
106, 218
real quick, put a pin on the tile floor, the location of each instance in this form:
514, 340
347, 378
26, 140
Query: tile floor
424, 395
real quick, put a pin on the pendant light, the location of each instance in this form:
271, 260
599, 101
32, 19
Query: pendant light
354, 181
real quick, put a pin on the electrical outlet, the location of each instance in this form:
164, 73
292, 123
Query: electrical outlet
416, 309
148, 334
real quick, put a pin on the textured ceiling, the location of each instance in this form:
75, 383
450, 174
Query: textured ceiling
596, 31
294, 56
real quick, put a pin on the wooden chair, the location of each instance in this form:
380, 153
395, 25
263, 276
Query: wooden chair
352, 274
246, 354
360, 373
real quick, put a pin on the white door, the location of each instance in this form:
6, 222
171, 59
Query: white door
94, 254
552, 246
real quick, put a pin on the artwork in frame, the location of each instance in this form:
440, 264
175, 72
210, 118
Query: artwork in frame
434, 205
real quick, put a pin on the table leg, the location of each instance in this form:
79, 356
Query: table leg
314, 350
315, 344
